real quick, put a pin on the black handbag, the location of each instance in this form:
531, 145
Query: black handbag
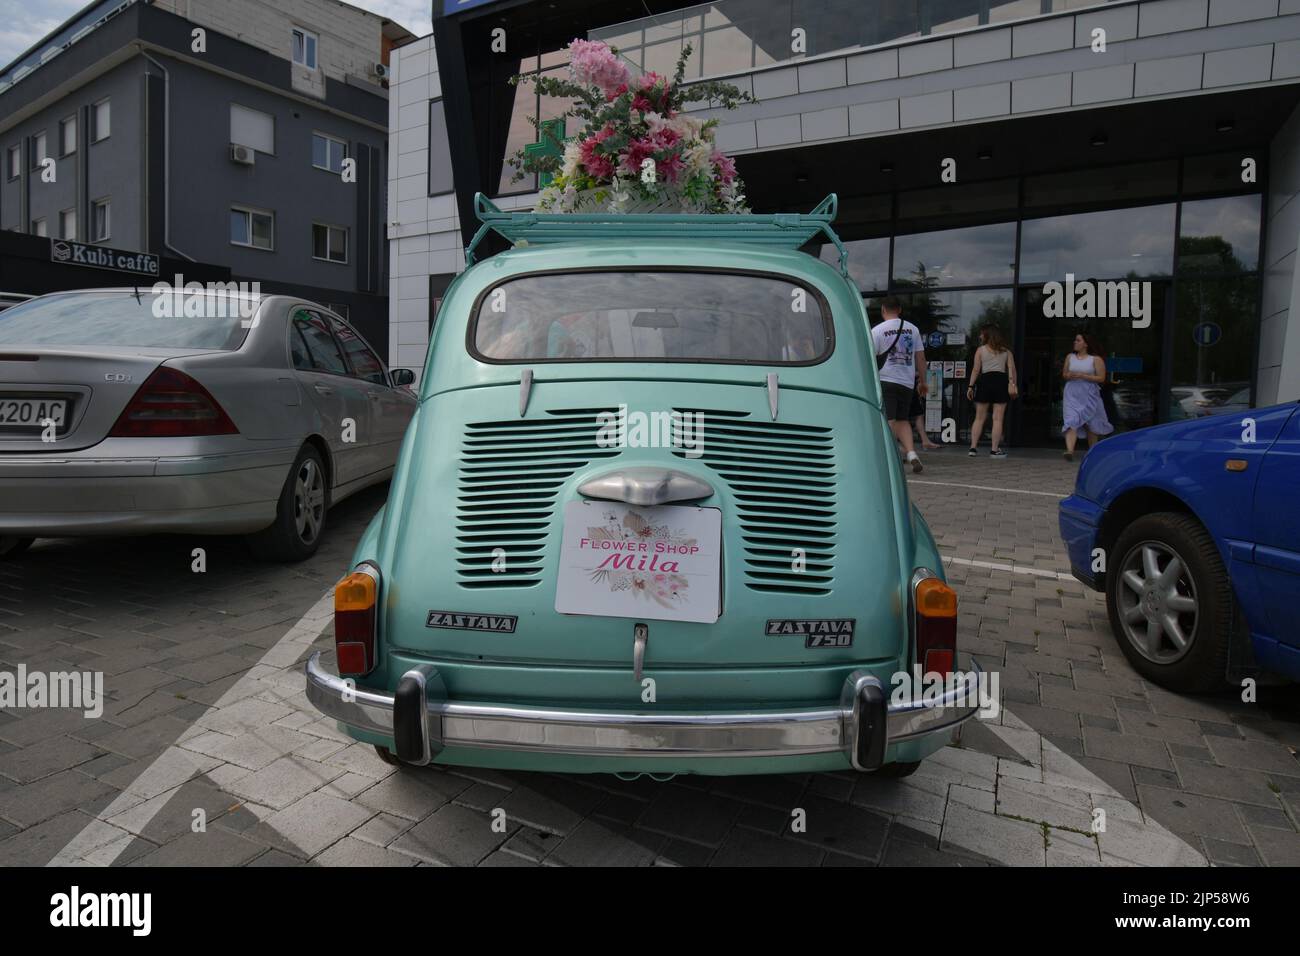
883, 357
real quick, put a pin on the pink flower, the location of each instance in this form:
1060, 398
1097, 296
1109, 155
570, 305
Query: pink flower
648, 81
636, 154
612, 95
665, 138
601, 167
641, 104
671, 167
592, 63
726, 167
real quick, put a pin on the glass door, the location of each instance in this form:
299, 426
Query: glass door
1132, 357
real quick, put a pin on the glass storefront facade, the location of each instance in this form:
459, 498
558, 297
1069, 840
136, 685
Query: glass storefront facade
1193, 246
726, 37
732, 36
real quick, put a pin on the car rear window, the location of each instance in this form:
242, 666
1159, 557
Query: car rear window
666, 316
129, 318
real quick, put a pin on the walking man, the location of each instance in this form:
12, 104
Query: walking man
900, 357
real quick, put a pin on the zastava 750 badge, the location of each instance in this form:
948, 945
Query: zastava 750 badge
824, 632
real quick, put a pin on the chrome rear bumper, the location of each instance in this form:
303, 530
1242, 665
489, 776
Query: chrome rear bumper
422, 722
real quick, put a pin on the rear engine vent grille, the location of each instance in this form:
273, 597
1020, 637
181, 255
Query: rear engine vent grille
510, 472
782, 477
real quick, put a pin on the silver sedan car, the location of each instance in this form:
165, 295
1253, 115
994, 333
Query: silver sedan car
132, 411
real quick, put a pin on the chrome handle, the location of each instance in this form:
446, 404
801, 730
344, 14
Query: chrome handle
640, 635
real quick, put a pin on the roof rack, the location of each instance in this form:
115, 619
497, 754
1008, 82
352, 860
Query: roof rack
790, 230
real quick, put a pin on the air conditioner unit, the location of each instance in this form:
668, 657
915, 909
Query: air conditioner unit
380, 70
243, 155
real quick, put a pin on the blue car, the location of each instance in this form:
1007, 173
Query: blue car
1192, 529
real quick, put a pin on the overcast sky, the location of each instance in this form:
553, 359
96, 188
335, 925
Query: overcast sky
23, 22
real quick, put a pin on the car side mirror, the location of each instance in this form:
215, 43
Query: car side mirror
402, 376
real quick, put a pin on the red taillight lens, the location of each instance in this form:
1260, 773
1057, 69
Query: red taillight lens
354, 622
936, 626
171, 404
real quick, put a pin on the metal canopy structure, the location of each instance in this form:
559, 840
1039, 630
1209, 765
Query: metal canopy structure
787, 230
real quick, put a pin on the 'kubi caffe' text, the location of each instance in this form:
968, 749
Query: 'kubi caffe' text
639, 555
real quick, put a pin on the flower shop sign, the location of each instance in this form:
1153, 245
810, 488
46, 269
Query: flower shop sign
658, 563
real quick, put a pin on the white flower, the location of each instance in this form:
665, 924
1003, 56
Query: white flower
698, 158
572, 157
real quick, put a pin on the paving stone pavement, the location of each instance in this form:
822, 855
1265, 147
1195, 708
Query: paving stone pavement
206, 719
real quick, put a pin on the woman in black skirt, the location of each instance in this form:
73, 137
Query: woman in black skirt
992, 383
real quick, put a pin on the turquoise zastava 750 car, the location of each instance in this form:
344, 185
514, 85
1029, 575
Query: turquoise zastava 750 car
648, 518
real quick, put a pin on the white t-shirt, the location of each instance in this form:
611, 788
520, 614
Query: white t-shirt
900, 367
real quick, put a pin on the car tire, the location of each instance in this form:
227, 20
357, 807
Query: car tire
11, 546
1174, 628
300, 514
896, 771
388, 757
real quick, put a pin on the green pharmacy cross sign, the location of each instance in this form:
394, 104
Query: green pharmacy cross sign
550, 142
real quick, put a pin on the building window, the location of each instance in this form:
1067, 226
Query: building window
440, 181
15, 165
526, 108
329, 243
974, 255
1109, 244
101, 121
68, 224
304, 48
328, 152
252, 128
39, 151
39, 228
99, 220
68, 136
252, 227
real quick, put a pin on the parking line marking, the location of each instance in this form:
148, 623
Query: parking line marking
1129, 834
100, 843
1013, 568
1010, 491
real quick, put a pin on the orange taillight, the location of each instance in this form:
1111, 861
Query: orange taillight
936, 626
356, 592
354, 622
935, 599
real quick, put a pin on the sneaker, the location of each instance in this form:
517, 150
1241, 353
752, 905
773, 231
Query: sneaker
917, 467
972, 453
1069, 457
997, 453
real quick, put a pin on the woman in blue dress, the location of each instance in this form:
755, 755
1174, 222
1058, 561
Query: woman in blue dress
1084, 371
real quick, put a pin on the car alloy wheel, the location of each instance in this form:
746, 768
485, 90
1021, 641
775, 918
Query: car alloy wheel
1157, 602
308, 500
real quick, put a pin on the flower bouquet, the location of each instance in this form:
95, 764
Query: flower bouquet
637, 152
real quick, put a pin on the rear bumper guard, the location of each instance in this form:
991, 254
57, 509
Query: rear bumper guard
421, 722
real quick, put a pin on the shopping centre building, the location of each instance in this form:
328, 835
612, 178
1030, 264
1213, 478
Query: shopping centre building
981, 150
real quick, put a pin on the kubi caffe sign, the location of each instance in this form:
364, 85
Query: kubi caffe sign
100, 257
